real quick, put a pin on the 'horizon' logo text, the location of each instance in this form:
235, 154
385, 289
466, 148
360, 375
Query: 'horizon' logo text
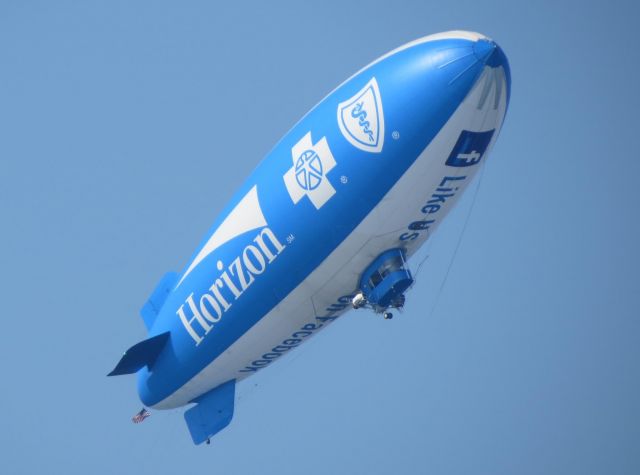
208, 309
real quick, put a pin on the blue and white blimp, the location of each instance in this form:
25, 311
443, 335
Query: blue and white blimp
325, 223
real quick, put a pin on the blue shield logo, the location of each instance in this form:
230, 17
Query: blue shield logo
361, 119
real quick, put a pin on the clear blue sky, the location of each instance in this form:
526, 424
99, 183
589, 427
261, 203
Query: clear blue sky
126, 126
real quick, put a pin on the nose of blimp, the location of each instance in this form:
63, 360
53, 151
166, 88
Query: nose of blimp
451, 63
466, 61
491, 55
496, 65
458, 66
484, 49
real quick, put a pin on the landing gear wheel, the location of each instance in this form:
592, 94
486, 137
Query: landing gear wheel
388, 315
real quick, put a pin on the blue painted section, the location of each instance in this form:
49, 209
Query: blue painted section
212, 413
140, 355
152, 307
420, 88
483, 49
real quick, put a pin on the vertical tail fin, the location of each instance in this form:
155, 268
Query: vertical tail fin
151, 308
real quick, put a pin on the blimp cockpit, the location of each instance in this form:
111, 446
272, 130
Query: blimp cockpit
383, 283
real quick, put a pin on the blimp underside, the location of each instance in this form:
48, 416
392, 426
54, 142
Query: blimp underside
420, 120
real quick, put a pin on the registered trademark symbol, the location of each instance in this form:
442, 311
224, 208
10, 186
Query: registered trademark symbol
395, 134
344, 180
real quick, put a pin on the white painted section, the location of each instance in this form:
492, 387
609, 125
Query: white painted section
245, 217
482, 110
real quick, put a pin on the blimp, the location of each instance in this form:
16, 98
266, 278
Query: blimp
325, 224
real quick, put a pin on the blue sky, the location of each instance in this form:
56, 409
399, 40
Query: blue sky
125, 127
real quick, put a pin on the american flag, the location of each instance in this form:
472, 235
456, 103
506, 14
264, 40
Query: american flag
141, 416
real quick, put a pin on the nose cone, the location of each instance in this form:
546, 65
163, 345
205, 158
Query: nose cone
467, 61
484, 49
490, 54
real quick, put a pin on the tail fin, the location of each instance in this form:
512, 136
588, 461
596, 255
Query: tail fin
141, 354
212, 413
151, 308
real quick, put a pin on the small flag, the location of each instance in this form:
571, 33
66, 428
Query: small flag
141, 416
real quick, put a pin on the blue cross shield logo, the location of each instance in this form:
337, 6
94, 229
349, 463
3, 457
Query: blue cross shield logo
309, 170
307, 176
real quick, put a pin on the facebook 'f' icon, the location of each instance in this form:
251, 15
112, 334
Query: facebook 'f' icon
469, 148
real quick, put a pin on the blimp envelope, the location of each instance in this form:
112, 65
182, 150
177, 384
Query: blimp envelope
326, 222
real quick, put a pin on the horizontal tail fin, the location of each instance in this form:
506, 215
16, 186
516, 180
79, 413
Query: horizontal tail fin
141, 354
